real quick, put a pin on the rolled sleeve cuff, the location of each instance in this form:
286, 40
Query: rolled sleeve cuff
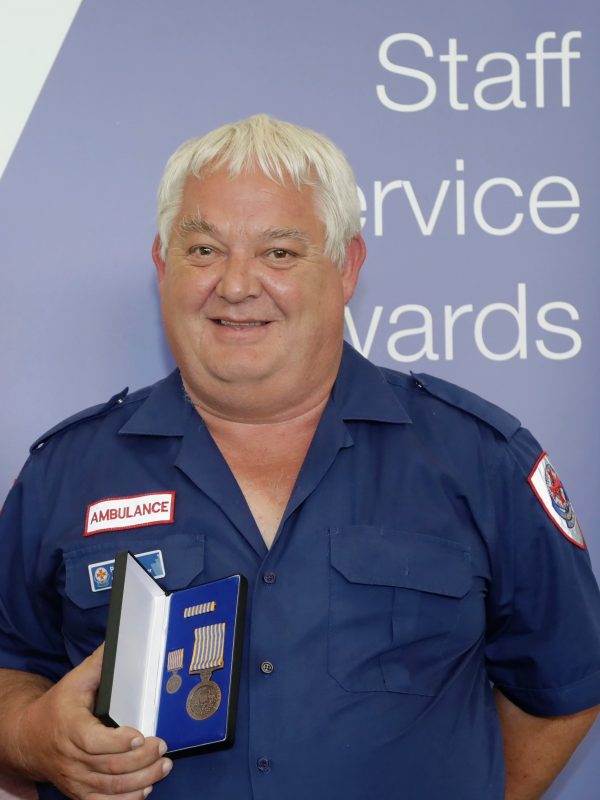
557, 702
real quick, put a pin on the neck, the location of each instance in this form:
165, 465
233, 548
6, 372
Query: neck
262, 403
221, 417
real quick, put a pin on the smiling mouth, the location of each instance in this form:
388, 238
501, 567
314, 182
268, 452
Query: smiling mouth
228, 323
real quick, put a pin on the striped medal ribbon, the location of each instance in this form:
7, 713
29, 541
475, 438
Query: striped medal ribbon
209, 646
175, 660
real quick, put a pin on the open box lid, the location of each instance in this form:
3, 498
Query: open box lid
129, 692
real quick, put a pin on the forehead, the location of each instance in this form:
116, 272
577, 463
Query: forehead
249, 199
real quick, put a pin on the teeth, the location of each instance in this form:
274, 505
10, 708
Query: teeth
231, 324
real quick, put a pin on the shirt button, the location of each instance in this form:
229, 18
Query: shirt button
267, 667
269, 577
264, 765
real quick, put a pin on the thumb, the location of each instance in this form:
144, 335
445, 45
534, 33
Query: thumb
86, 676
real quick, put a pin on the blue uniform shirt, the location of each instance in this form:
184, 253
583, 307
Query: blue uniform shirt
413, 565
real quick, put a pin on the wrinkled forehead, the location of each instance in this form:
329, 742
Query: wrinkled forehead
246, 191
217, 200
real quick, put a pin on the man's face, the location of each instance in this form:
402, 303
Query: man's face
248, 297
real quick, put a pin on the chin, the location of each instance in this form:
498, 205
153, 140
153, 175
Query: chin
240, 372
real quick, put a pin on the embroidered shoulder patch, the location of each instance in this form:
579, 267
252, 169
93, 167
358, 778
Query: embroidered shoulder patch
116, 513
551, 493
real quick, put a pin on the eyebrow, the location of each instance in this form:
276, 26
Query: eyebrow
272, 234
193, 223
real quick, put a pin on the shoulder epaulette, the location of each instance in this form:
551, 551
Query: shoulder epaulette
493, 415
88, 413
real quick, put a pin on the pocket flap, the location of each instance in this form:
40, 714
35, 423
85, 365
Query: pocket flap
386, 557
182, 553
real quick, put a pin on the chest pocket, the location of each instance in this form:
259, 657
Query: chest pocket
402, 610
85, 611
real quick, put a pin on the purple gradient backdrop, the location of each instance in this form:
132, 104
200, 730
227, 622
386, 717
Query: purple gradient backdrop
79, 308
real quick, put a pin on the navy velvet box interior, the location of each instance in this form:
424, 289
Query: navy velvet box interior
175, 725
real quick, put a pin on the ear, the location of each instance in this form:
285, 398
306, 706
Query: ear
355, 255
158, 259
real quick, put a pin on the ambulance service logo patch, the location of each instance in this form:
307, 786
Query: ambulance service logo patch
117, 513
553, 496
101, 577
101, 574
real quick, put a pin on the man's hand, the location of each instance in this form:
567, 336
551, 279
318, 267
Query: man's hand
50, 734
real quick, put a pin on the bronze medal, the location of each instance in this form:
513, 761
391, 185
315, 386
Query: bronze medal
203, 700
174, 683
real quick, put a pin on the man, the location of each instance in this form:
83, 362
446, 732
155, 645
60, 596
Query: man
401, 537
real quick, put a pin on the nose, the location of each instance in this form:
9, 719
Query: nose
239, 279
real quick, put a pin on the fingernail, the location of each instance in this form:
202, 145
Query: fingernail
137, 742
167, 766
147, 790
162, 748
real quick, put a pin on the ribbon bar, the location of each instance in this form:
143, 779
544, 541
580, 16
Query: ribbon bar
201, 608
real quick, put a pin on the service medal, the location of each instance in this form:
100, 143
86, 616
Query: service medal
174, 664
204, 699
209, 645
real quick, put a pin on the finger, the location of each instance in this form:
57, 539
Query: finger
138, 795
137, 759
92, 737
137, 781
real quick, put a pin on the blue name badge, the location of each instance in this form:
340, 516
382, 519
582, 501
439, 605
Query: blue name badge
101, 574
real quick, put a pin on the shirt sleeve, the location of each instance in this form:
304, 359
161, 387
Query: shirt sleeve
543, 639
30, 627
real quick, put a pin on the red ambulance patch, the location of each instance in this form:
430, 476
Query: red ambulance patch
551, 493
117, 513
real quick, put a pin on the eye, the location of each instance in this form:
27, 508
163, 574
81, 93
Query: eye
281, 254
201, 250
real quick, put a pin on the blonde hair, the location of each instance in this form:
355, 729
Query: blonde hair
282, 151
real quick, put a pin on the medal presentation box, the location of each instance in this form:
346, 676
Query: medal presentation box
172, 659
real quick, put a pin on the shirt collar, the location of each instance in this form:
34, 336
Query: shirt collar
361, 391
164, 412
